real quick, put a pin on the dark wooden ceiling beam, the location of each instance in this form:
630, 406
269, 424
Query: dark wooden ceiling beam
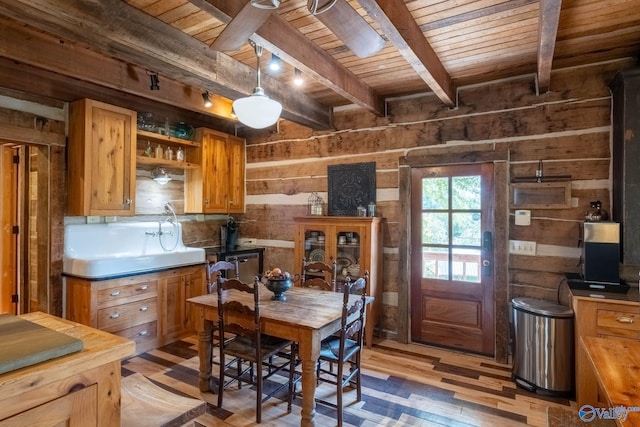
547, 33
281, 38
114, 28
397, 23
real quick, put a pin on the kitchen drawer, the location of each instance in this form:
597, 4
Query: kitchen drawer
127, 293
618, 323
117, 318
140, 334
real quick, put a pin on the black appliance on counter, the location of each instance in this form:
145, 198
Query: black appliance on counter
250, 259
600, 259
601, 252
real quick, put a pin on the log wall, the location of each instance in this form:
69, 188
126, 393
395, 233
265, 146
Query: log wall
568, 128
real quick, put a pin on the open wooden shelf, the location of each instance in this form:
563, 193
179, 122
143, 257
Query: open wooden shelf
143, 136
174, 164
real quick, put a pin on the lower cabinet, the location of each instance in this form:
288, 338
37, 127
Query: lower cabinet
76, 409
150, 309
600, 318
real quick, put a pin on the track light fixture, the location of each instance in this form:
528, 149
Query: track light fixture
297, 78
276, 63
155, 81
206, 99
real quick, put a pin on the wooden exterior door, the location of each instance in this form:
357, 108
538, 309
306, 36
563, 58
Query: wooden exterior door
452, 289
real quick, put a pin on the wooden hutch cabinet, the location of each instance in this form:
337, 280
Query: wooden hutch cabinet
102, 159
355, 243
218, 185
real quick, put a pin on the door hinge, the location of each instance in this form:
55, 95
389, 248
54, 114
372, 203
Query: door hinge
15, 229
16, 159
14, 298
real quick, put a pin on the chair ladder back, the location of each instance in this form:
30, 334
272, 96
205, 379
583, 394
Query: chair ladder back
235, 317
329, 272
215, 269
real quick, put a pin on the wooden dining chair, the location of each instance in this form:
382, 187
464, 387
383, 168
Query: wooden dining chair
345, 347
241, 318
213, 269
317, 274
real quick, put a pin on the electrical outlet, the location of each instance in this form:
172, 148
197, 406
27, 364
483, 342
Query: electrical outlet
93, 219
110, 219
522, 247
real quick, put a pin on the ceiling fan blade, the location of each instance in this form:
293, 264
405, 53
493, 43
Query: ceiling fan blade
241, 27
348, 25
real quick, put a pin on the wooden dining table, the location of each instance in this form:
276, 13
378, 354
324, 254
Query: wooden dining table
307, 316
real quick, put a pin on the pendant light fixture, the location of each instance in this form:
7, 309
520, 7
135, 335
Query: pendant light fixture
257, 111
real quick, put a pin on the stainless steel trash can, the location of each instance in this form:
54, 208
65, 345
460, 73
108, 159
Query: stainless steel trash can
543, 356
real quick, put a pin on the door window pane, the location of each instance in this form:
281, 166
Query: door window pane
465, 192
435, 193
466, 265
435, 263
466, 228
435, 228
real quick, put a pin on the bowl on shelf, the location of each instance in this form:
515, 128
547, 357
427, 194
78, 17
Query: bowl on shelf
279, 287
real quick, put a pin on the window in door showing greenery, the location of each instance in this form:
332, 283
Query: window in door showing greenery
451, 228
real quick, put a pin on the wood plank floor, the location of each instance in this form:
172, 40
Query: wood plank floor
403, 385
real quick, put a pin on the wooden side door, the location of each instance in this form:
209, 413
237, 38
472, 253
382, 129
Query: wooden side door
8, 240
452, 285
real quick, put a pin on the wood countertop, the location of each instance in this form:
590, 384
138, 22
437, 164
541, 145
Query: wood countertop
100, 348
616, 364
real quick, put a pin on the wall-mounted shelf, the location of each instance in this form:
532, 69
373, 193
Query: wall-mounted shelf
189, 148
144, 136
174, 164
540, 195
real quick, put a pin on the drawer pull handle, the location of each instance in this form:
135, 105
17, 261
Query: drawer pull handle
144, 308
115, 315
143, 288
623, 319
115, 293
143, 333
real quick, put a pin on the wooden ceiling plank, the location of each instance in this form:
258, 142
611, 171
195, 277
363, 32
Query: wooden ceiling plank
281, 38
401, 29
548, 31
117, 29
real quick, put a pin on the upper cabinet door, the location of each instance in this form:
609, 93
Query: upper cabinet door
215, 167
237, 159
101, 159
218, 186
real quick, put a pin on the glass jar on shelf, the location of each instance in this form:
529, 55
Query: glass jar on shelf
180, 154
159, 152
168, 153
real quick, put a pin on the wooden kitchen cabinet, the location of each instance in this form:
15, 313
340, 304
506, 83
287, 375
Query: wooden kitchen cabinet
81, 389
356, 245
174, 292
596, 317
102, 159
150, 309
218, 185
